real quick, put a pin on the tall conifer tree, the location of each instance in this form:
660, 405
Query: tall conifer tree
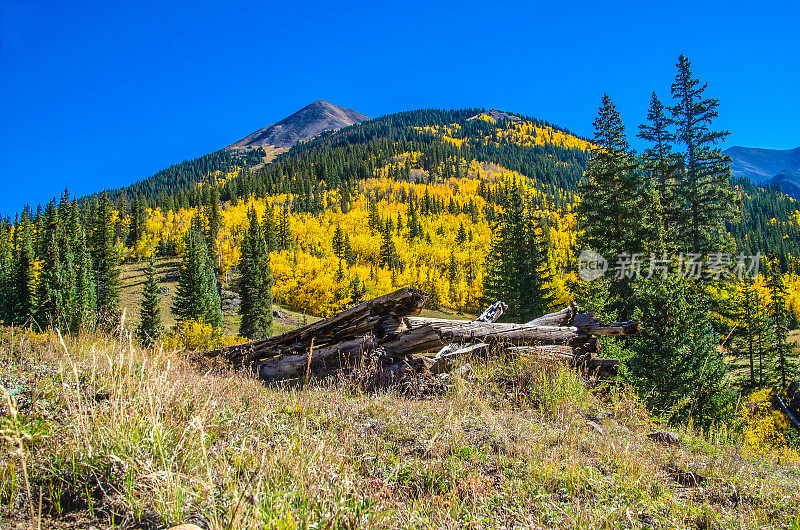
615, 211
106, 261
779, 319
197, 295
150, 327
704, 183
84, 310
661, 166
676, 366
24, 286
516, 267
255, 284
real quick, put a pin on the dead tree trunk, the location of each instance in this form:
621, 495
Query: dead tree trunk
378, 316
387, 333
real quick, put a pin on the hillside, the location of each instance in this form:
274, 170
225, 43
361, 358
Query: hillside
763, 166
788, 181
253, 151
418, 171
118, 437
311, 120
444, 173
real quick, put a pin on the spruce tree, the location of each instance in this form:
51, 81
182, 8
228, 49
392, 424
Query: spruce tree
255, 284
50, 299
24, 280
535, 291
338, 242
84, 308
197, 296
661, 165
284, 232
106, 261
150, 328
778, 313
704, 183
388, 251
675, 365
516, 266
268, 228
746, 338
615, 213
212, 227
6, 275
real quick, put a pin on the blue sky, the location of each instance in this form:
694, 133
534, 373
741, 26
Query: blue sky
99, 94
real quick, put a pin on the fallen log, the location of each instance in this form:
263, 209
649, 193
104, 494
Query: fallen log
426, 334
380, 313
384, 334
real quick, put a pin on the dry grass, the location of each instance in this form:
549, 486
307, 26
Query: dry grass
98, 431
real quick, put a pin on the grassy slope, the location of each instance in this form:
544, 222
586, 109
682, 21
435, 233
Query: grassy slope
118, 433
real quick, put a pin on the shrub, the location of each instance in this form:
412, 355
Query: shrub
193, 335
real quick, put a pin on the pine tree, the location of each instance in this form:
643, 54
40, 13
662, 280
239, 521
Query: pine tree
779, 346
338, 242
516, 266
704, 184
268, 226
462, 235
536, 291
615, 212
748, 326
255, 284
212, 230
84, 308
23, 281
137, 220
106, 262
662, 165
675, 365
284, 235
50, 289
388, 252
150, 328
374, 219
197, 296
6, 275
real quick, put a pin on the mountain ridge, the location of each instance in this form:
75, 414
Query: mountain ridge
313, 119
775, 167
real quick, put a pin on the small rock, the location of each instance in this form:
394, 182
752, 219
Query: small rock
665, 437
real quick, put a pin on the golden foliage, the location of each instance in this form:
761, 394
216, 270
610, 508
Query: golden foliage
763, 427
197, 336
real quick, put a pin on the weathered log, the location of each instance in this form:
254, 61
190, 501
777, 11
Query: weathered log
292, 365
374, 315
564, 317
385, 334
427, 334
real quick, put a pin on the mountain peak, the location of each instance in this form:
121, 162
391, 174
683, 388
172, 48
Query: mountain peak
311, 120
774, 166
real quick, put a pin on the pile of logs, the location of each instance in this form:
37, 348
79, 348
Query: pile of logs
387, 334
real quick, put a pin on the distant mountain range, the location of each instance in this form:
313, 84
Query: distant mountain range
307, 122
768, 167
